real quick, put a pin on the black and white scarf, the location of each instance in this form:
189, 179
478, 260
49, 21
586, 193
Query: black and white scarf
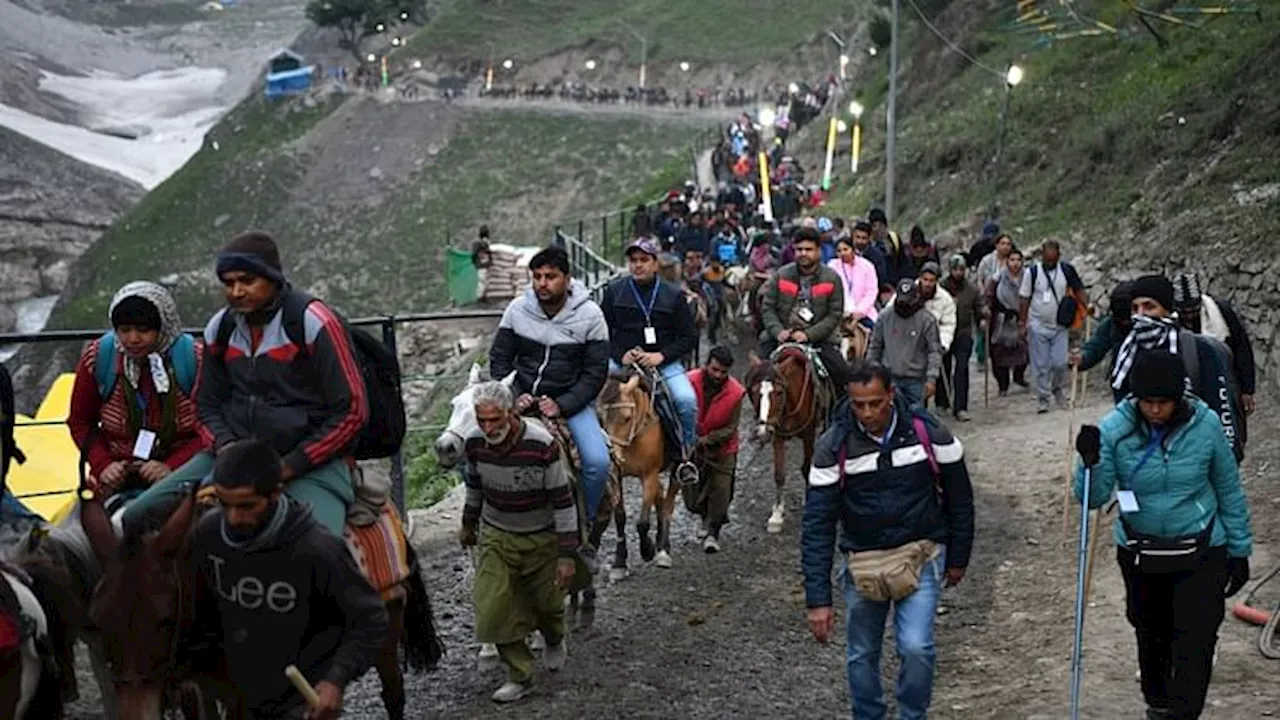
1147, 333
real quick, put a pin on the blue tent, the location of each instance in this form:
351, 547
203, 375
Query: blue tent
290, 82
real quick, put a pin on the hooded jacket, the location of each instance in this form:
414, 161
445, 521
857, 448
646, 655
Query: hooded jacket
134, 402
908, 346
310, 407
1190, 479
885, 495
943, 308
298, 599
565, 357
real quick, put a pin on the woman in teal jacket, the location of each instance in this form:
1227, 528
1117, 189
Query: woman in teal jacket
1164, 449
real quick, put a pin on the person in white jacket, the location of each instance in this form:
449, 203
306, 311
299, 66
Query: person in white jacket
938, 302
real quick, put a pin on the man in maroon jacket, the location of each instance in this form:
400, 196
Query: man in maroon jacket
719, 409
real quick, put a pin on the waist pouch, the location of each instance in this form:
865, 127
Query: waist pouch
1156, 555
893, 574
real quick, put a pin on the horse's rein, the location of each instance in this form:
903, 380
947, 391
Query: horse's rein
636, 428
783, 414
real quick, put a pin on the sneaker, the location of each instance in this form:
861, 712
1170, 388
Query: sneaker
963, 415
555, 655
512, 691
703, 529
711, 545
1042, 407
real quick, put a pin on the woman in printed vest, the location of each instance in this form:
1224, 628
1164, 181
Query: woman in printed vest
132, 413
719, 408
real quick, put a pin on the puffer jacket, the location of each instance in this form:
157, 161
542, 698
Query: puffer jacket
1187, 481
565, 358
782, 296
884, 496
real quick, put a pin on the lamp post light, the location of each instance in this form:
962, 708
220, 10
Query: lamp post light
1012, 77
855, 148
371, 57
380, 27
396, 42
590, 64
508, 64
404, 15
684, 66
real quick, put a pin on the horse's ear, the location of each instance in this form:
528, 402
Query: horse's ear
510, 379
171, 537
631, 384
473, 377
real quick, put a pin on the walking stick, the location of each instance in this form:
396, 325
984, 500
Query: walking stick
1098, 516
986, 365
1066, 474
1081, 572
1088, 333
304, 688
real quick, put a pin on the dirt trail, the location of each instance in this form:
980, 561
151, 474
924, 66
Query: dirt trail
724, 636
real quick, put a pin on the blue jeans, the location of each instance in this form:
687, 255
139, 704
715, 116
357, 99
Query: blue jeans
912, 390
682, 394
594, 452
913, 618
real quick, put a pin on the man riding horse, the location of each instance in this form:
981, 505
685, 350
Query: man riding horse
803, 304
650, 325
555, 339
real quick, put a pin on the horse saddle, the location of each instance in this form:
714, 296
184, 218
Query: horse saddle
811, 356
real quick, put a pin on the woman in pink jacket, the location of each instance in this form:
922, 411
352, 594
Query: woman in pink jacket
858, 276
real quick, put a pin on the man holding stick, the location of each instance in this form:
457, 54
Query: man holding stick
274, 588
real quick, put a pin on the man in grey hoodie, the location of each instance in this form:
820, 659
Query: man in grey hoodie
906, 342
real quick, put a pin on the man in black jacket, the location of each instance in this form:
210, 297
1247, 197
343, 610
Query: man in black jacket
1205, 314
650, 324
275, 589
894, 479
556, 341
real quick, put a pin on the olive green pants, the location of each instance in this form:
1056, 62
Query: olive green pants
516, 593
710, 497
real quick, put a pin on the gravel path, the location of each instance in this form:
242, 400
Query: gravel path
723, 636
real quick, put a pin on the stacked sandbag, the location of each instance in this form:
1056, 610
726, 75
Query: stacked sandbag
508, 274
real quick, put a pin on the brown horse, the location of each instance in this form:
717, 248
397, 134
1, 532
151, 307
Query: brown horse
790, 402
143, 606
628, 415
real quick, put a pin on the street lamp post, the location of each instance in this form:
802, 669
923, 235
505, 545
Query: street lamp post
1011, 79
891, 117
644, 54
855, 148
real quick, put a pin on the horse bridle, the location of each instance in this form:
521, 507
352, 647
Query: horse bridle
637, 428
771, 426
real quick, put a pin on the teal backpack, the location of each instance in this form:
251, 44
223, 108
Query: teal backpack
182, 356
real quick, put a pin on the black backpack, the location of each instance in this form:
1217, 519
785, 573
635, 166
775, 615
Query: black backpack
383, 433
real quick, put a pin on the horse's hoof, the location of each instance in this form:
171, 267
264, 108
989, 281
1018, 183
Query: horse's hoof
775, 521
663, 559
646, 551
617, 574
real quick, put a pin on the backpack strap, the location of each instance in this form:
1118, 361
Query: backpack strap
922, 434
104, 366
182, 357
293, 318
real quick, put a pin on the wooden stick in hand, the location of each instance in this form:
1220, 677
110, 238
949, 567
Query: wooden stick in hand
304, 687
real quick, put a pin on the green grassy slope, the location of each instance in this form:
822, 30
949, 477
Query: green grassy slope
1101, 130
743, 32
275, 168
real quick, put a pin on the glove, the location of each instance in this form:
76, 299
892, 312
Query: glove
1238, 570
1089, 444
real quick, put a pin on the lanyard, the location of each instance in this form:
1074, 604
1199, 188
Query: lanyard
1157, 436
848, 280
653, 297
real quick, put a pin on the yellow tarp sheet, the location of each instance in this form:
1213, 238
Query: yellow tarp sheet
46, 482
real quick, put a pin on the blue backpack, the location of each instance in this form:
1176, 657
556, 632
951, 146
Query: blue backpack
182, 355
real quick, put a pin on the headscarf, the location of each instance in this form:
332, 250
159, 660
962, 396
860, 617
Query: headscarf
170, 330
1148, 333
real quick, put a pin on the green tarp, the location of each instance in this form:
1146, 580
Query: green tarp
464, 279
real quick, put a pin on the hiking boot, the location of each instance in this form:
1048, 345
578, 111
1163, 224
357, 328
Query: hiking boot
555, 655
512, 691
1002, 393
711, 545
1042, 407
488, 658
963, 415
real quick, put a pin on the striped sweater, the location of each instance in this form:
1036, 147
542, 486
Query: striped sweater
521, 486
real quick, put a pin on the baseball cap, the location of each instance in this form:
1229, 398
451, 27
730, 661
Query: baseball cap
906, 286
645, 245
932, 268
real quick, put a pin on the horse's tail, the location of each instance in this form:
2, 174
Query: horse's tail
54, 589
422, 646
47, 701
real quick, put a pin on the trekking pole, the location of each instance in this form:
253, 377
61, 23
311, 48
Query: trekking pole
1081, 571
304, 688
986, 365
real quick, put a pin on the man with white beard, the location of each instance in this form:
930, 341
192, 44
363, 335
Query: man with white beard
520, 511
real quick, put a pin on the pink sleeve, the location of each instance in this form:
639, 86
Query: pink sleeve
867, 288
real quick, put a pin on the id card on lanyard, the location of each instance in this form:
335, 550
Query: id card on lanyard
146, 441
1125, 497
650, 333
805, 312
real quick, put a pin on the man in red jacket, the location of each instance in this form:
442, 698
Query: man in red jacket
719, 409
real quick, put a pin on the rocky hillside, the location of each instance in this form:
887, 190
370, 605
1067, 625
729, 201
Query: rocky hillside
52, 208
